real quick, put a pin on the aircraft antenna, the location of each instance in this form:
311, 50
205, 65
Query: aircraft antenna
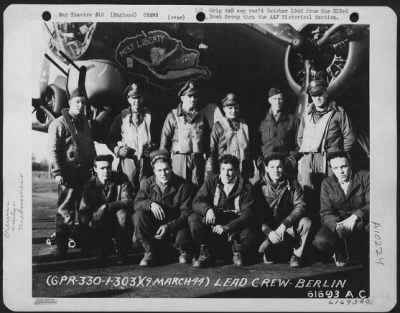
69, 60
56, 64
52, 34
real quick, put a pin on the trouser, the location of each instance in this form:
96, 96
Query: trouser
312, 169
136, 170
355, 245
244, 241
69, 197
190, 167
299, 232
112, 225
146, 226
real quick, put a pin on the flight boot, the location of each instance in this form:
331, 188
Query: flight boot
237, 258
148, 258
205, 258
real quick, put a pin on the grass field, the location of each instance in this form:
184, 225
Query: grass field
44, 199
42, 182
44, 196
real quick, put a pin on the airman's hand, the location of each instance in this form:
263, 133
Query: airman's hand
157, 211
280, 231
161, 232
220, 229
346, 226
98, 216
126, 152
59, 180
210, 217
274, 237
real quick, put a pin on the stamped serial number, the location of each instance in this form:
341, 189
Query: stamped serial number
349, 301
323, 294
337, 294
125, 281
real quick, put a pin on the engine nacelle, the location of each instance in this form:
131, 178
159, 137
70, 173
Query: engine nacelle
104, 83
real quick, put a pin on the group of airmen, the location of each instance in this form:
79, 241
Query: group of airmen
193, 191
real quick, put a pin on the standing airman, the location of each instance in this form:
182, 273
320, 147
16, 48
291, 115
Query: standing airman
71, 154
130, 137
186, 135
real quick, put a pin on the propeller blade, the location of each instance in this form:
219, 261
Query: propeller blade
284, 32
337, 33
303, 96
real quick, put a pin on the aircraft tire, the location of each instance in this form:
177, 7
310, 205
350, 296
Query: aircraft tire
59, 99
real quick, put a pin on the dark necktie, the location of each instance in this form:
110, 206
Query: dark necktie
78, 123
189, 116
234, 124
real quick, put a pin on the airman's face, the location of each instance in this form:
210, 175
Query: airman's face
103, 170
276, 102
231, 111
136, 103
163, 171
341, 169
274, 169
189, 101
227, 173
77, 105
320, 100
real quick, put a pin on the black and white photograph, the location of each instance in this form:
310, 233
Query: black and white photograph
216, 154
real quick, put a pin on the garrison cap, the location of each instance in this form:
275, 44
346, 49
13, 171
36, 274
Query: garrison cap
274, 91
77, 92
337, 154
230, 99
159, 154
133, 90
189, 88
273, 156
104, 157
316, 87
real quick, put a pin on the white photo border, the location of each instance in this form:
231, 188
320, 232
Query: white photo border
17, 181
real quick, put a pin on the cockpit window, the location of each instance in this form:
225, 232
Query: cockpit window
71, 38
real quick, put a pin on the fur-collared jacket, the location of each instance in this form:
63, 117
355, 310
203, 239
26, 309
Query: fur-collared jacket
242, 194
280, 203
117, 194
175, 200
70, 144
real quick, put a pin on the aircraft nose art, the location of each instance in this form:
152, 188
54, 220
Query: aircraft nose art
159, 58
